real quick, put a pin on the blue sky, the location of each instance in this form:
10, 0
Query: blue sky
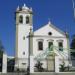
60, 12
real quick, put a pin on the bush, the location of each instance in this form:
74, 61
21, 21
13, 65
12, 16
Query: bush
39, 67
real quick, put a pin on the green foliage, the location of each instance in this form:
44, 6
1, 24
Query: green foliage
39, 67
73, 45
62, 67
1, 53
73, 42
10, 65
1, 49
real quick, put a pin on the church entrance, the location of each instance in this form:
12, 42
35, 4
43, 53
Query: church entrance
51, 63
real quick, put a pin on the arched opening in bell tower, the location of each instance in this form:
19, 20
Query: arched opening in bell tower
20, 19
27, 19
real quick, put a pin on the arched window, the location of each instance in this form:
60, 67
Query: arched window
20, 19
27, 19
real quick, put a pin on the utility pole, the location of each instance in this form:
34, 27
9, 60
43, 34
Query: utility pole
30, 50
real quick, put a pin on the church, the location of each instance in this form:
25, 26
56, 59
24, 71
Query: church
48, 46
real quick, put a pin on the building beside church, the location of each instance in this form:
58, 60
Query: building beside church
47, 45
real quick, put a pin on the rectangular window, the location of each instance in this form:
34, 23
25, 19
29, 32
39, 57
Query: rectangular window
50, 45
40, 45
60, 46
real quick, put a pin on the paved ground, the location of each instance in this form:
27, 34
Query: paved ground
44, 73
63, 73
13, 74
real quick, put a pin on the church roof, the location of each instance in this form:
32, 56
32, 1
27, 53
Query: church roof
52, 26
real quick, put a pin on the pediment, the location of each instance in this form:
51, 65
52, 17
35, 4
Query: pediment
49, 30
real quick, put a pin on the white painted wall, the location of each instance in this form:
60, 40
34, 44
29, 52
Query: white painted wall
22, 30
4, 66
42, 34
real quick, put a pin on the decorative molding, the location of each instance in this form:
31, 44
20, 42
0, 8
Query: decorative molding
48, 36
60, 40
50, 40
24, 12
40, 40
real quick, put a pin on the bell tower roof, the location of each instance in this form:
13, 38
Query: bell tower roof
17, 8
24, 8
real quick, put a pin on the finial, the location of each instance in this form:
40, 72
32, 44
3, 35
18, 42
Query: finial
24, 5
49, 22
31, 9
18, 8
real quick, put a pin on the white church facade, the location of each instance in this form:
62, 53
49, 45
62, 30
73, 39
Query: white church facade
47, 45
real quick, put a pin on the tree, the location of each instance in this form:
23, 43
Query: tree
1, 55
1, 49
10, 64
73, 45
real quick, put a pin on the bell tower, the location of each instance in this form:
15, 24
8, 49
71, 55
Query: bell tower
23, 26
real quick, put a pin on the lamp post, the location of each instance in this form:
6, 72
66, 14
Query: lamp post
30, 52
28, 68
